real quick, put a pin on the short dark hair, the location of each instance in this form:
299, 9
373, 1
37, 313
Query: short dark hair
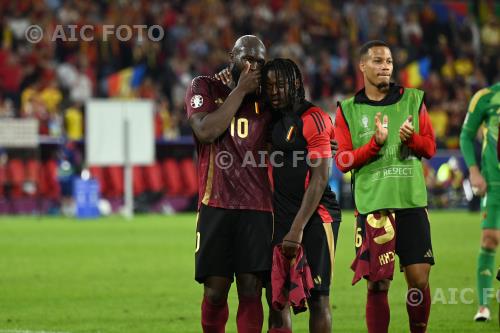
290, 72
363, 50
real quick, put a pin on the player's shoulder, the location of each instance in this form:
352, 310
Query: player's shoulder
484, 92
480, 97
317, 118
413, 91
345, 104
200, 84
315, 112
409, 89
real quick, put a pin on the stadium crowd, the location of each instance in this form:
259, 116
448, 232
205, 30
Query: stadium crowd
448, 49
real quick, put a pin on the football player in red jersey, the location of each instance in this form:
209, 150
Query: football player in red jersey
384, 131
306, 211
235, 223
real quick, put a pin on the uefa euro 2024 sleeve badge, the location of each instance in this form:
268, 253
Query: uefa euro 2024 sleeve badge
196, 101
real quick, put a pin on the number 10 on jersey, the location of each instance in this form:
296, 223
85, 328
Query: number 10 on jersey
240, 126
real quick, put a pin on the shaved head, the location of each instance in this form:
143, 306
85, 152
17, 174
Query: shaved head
248, 48
248, 41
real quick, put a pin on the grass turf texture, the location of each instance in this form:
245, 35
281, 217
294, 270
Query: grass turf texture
110, 275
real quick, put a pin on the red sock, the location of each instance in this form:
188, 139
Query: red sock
419, 310
377, 312
279, 330
213, 317
250, 316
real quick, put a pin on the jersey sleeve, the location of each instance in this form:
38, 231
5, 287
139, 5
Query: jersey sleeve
473, 120
318, 131
198, 97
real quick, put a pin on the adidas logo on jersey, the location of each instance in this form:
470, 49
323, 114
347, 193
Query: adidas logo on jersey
428, 254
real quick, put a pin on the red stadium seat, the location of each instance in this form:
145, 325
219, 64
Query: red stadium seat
15, 177
171, 176
49, 184
152, 177
114, 181
3, 174
111, 180
33, 169
97, 173
189, 177
138, 181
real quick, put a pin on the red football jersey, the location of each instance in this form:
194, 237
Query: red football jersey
228, 176
376, 254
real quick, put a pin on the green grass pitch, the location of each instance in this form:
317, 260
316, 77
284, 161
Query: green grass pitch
115, 276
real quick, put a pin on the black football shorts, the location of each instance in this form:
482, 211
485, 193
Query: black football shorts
319, 241
232, 241
413, 236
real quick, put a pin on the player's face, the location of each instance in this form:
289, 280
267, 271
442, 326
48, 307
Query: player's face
276, 90
377, 66
254, 53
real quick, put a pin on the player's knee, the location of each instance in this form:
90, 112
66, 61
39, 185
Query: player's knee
319, 305
216, 289
418, 282
382, 285
489, 242
249, 285
216, 296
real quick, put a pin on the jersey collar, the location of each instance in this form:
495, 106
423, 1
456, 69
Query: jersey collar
394, 95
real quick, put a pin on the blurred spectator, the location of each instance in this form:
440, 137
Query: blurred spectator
461, 41
169, 122
448, 188
51, 96
6, 107
490, 35
73, 119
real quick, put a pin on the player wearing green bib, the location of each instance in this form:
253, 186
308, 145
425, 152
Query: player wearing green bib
484, 109
382, 133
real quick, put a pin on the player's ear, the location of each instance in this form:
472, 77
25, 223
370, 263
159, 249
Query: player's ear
362, 66
297, 84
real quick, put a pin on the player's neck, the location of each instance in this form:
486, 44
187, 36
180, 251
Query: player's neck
374, 93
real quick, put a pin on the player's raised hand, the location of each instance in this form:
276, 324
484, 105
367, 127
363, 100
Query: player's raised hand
381, 131
406, 130
249, 79
225, 77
